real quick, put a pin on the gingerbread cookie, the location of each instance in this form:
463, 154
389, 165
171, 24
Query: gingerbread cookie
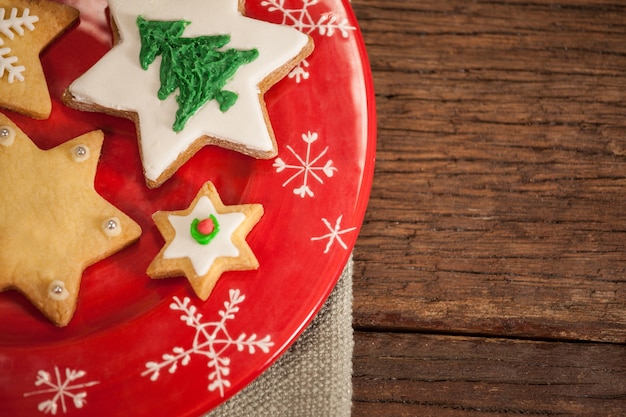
26, 28
205, 240
53, 224
207, 87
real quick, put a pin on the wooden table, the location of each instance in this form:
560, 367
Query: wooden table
490, 273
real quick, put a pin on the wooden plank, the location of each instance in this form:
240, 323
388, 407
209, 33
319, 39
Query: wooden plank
441, 376
499, 193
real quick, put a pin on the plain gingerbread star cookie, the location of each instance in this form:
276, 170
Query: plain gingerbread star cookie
209, 33
205, 240
53, 224
26, 28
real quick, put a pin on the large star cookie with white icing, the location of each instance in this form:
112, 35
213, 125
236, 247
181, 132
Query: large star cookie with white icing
190, 73
26, 28
205, 240
53, 224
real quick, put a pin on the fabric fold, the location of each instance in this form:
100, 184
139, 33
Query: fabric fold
314, 377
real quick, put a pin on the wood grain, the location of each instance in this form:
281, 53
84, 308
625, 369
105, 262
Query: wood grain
490, 272
499, 194
441, 376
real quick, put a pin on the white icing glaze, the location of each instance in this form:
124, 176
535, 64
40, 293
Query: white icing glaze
117, 81
202, 256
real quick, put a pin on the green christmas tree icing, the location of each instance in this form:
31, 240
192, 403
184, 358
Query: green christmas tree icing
197, 67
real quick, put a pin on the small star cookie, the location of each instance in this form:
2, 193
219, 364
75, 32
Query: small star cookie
205, 240
53, 224
190, 75
26, 28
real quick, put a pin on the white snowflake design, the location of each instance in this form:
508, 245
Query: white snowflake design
335, 234
64, 389
211, 340
9, 27
307, 166
302, 19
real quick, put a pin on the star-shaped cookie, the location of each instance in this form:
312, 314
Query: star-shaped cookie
119, 84
53, 224
26, 28
205, 240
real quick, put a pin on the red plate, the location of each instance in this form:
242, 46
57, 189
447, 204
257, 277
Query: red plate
145, 347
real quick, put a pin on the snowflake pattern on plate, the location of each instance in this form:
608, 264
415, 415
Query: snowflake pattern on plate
327, 24
211, 340
62, 388
307, 166
10, 26
335, 234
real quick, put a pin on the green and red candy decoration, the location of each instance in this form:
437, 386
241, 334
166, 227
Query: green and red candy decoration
203, 231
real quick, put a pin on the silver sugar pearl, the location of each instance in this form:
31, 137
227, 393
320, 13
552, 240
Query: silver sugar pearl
7, 136
112, 227
57, 290
80, 153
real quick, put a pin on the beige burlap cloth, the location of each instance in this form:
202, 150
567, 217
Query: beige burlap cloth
314, 377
